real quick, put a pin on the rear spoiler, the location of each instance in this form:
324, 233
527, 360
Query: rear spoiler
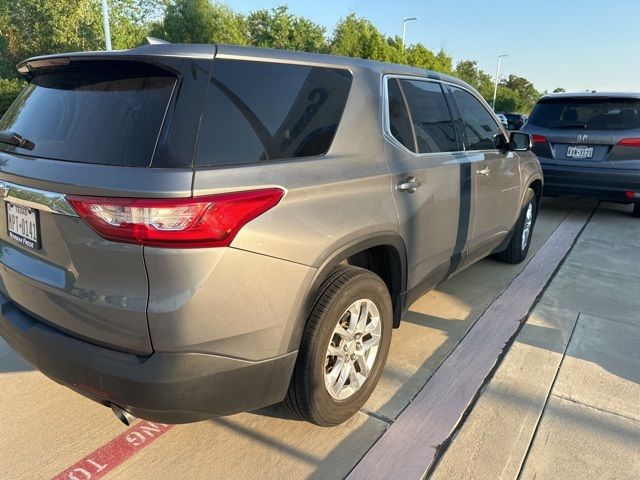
27, 68
152, 53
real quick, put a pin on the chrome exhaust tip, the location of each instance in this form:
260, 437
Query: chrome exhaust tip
122, 415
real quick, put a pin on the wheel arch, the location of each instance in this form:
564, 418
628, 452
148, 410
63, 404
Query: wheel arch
536, 185
384, 254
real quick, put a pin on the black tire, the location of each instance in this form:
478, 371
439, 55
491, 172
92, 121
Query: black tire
636, 210
308, 397
515, 253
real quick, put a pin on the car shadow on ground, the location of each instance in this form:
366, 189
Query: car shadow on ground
10, 361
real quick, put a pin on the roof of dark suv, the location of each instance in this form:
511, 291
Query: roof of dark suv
592, 95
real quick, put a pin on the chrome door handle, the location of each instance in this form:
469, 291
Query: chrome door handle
484, 172
409, 185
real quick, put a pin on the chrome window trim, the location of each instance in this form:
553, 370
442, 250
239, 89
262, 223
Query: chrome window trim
43, 200
386, 120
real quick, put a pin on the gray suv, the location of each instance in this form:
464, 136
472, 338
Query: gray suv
198, 230
589, 145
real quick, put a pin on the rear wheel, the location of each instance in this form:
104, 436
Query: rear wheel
518, 247
343, 349
636, 210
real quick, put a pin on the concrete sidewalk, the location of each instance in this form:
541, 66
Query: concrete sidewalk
565, 401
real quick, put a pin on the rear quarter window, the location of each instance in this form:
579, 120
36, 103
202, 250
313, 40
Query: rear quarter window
261, 111
108, 114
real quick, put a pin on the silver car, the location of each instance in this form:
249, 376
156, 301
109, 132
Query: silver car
589, 145
199, 230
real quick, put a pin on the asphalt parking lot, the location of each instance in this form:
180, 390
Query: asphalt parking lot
48, 430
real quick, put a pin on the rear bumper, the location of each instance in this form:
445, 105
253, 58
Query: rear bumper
163, 387
600, 183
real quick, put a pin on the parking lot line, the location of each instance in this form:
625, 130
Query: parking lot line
101, 461
411, 444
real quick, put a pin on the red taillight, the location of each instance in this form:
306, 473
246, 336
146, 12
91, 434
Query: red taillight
539, 139
211, 221
632, 195
629, 142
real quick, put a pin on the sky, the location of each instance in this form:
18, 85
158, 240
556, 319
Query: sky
573, 44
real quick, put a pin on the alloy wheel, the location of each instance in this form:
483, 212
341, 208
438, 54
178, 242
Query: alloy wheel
352, 350
528, 223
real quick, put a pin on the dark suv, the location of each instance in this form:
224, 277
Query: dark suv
198, 230
589, 145
515, 121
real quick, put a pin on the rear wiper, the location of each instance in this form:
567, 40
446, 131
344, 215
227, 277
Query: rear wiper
11, 138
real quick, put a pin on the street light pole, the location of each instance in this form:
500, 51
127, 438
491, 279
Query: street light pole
105, 22
495, 89
404, 27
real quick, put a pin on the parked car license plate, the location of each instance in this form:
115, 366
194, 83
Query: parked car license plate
579, 151
22, 225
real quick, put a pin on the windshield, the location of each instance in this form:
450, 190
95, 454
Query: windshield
587, 113
102, 114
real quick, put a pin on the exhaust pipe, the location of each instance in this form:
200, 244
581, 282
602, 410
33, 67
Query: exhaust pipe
124, 416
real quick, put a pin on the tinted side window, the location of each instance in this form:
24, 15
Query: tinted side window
399, 120
479, 125
430, 116
259, 111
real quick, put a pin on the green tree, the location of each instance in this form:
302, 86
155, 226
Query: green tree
358, 37
421, 57
398, 53
200, 21
524, 90
468, 71
278, 28
129, 21
444, 62
36, 27
9, 89
33, 27
507, 100
559, 90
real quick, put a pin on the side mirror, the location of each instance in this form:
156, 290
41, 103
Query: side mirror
520, 142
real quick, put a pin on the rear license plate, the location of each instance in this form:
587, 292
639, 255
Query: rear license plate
579, 151
22, 225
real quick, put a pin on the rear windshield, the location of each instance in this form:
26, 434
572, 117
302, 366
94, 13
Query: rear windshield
98, 113
260, 111
587, 113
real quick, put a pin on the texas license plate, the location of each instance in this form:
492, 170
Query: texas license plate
579, 151
22, 225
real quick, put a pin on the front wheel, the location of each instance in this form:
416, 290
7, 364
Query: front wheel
344, 348
518, 247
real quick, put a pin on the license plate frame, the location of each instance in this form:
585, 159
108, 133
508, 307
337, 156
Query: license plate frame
23, 225
580, 152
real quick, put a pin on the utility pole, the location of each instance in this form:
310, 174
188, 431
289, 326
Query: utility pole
404, 26
495, 89
105, 22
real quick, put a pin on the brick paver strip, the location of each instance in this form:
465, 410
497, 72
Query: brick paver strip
409, 447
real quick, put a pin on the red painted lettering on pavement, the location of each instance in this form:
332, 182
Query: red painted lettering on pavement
100, 462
